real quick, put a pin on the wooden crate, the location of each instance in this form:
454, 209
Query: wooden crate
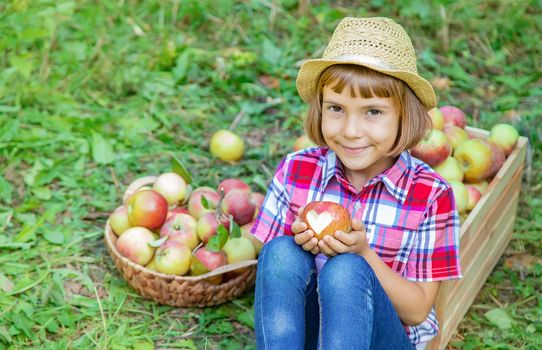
483, 239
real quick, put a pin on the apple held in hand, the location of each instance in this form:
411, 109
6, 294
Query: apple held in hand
324, 218
505, 136
227, 146
134, 244
454, 115
119, 220
147, 208
172, 186
238, 249
433, 149
181, 228
173, 257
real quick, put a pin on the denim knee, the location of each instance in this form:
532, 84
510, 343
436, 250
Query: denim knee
346, 269
281, 255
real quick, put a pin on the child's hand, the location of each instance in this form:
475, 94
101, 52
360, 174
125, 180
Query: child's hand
340, 242
305, 238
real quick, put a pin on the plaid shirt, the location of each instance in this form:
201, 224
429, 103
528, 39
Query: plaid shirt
408, 212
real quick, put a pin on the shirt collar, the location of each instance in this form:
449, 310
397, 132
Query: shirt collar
396, 179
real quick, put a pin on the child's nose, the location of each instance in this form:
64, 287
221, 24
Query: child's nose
353, 127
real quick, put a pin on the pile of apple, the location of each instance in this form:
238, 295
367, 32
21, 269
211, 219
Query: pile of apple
169, 228
467, 163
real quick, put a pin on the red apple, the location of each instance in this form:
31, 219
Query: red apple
181, 228
237, 203
505, 136
147, 208
450, 169
176, 210
474, 196
172, 186
257, 198
203, 261
119, 220
475, 157
238, 249
195, 207
455, 134
208, 224
461, 196
437, 119
233, 183
227, 146
303, 142
245, 232
497, 159
134, 244
324, 218
173, 257
454, 115
480, 186
433, 149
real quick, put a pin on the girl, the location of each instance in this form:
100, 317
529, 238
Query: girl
372, 288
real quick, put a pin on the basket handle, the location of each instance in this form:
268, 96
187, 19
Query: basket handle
136, 185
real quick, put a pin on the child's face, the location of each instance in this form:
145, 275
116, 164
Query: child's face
361, 131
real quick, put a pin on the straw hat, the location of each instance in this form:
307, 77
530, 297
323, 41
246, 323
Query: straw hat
377, 43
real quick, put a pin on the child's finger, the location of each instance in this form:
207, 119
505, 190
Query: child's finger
311, 244
298, 226
300, 211
324, 248
303, 237
335, 244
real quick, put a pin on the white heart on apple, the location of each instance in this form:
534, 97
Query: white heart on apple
318, 222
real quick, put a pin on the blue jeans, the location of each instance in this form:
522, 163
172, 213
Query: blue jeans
343, 307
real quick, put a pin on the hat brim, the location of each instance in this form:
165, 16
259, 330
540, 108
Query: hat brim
310, 72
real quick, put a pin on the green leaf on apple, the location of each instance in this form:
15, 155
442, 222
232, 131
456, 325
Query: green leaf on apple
216, 242
178, 167
158, 242
235, 231
205, 203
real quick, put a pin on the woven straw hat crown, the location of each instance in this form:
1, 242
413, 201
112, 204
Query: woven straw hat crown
378, 43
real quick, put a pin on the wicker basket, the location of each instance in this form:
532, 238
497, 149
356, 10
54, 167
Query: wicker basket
180, 290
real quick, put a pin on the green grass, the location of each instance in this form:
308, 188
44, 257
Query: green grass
94, 94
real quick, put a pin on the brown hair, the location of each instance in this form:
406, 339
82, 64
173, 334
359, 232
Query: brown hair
414, 121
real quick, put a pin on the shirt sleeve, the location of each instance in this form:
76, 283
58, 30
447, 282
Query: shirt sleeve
435, 255
275, 217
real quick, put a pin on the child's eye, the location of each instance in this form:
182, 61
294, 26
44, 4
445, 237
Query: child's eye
335, 109
373, 112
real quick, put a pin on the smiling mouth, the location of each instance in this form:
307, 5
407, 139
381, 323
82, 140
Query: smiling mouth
354, 150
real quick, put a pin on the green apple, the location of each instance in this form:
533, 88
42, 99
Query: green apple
437, 119
505, 136
450, 170
455, 135
461, 196
238, 249
172, 186
119, 220
173, 257
227, 145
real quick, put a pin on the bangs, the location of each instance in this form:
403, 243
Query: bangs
360, 81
